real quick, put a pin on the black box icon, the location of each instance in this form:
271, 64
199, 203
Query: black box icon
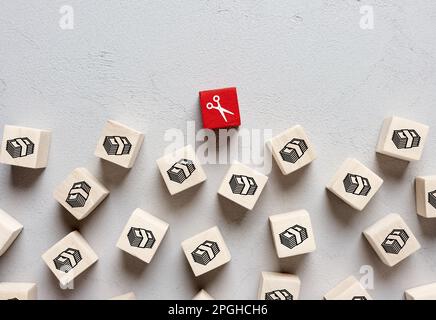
117, 145
293, 236
406, 138
432, 198
356, 184
281, 294
293, 150
78, 194
141, 238
395, 241
181, 170
20, 147
242, 185
205, 252
67, 260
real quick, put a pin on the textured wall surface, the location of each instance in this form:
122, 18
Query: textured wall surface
143, 62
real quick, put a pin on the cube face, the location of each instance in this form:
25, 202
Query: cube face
206, 251
68, 258
348, 289
80, 193
292, 150
18, 291
126, 296
292, 233
278, 286
426, 196
9, 231
119, 144
355, 184
242, 185
425, 292
181, 170
25, 147
220, 108
142, 235
403, 139
392, 239
203, 295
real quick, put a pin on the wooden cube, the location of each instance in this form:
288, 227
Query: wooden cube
203, 295
126, 296
142, 235
68, 258
426, 196
9, 231
242, 185
403, 139
278, 286
425, 292
355, 184
292, 149
206, 251
80, 193
119, 144
292, 233
348, 289
391, 239
25, 147
181, 170
18, 291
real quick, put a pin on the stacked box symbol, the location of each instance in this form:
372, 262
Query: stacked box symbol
78, 194
141, 238
205, 252
293, 236
67, 260
432, 198
242, 185
181, 170
356, 184
395, 241
20, 147
293, 150
281, 294
117, 145
359, 298
406, 138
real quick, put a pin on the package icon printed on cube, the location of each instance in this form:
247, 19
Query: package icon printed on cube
243, 185
25, 147
355, 184
281, 294
395, 241
426, 196
278, 286
78, 194
119, 144
220, 108
206, 251
142, 235
402, 138
293, 150
293, 236
181, 170
67, 260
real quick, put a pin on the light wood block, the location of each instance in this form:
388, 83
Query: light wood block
18, 291
142, 235
279, 286
9, 231
80, 193
426, 196
119, 144
425, 292
127, 296
203, 295
69, 257
181, 170
292, 149
391, 239
206, 251
242, 185
292, 233
348, 289
355, 184
403, 139
25, 147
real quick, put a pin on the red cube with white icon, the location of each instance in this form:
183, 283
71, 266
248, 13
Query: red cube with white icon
220, 108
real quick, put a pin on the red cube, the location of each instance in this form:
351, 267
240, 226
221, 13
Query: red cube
220, 108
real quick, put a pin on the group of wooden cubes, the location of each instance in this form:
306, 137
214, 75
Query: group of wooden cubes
80, 193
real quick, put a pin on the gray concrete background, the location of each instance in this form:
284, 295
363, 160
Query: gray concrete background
143, 62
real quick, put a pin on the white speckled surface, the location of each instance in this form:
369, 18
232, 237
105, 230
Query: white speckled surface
143, 62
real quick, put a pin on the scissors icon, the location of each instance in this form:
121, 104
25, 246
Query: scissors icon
218, 107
